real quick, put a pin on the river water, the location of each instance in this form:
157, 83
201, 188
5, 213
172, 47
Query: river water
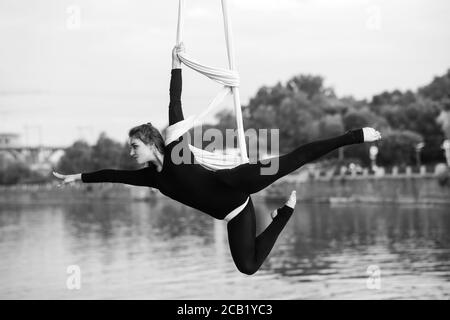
164, 250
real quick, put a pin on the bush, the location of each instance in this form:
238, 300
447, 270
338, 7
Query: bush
14, 173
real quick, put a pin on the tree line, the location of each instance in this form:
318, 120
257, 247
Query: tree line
304, 110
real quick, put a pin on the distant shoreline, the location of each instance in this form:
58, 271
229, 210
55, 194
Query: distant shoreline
402, 189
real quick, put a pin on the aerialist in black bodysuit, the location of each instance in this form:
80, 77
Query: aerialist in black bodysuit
217, 193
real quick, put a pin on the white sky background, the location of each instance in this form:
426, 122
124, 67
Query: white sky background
59, 83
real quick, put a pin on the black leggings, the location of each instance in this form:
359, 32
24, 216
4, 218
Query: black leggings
248, 250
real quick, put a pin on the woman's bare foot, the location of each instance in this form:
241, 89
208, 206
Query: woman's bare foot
371, 135
290, 203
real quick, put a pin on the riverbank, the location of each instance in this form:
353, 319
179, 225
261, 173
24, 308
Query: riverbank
395, 186
72, 193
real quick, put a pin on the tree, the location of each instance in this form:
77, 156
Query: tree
309, 84
77, 158
292, 109
14, 172
438, 89
106, 153
325, 128
268, 96
421, 117
363, 117
398, 148
329, 126
395, 97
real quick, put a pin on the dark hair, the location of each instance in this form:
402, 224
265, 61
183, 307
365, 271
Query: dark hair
149, 135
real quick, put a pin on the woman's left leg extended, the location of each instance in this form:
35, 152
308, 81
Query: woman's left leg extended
253, 177
248, 250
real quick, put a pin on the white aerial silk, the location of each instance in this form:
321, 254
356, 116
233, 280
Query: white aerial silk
229, 78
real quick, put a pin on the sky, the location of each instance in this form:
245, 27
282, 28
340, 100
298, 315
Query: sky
73, 69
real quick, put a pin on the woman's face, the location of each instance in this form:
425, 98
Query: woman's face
140, 151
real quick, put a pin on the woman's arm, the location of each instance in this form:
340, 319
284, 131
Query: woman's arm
175, 110
141, 177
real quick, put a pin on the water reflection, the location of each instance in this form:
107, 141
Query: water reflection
162, 249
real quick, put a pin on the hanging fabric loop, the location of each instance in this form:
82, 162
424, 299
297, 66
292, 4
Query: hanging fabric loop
229, 78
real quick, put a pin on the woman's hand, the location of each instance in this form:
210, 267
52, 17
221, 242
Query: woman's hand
176, 62
67, 178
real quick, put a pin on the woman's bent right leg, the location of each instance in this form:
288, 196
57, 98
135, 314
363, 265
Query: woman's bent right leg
248, 251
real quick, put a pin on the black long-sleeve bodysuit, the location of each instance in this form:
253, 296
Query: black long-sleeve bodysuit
217, 193
190, 184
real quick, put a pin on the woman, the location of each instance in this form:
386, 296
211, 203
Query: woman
223, 194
